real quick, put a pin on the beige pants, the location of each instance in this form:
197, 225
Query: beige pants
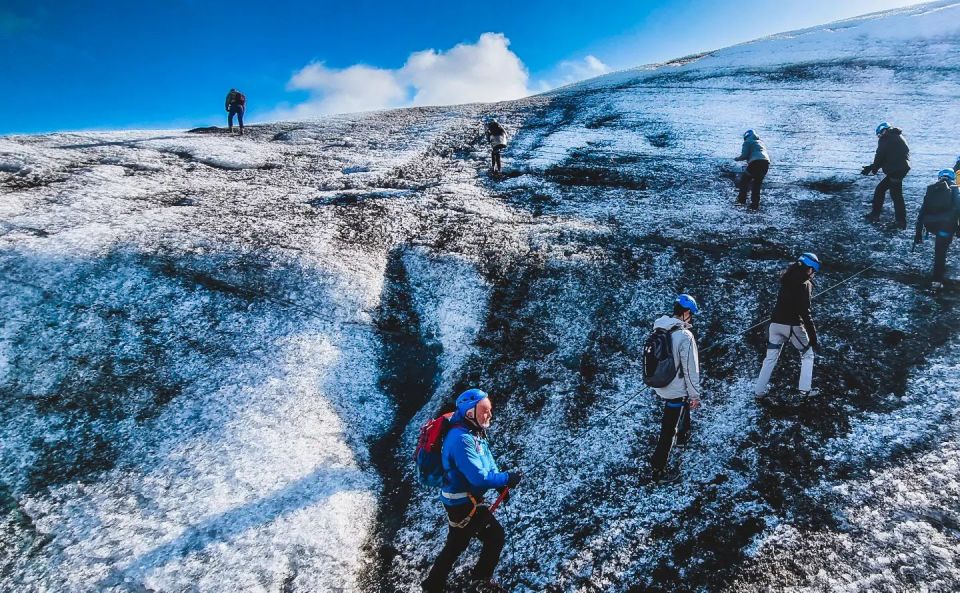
779, 335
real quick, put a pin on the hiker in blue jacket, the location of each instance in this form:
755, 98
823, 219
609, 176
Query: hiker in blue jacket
940, 216
469, 472
754, 151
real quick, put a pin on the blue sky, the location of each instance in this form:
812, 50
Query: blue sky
72, 64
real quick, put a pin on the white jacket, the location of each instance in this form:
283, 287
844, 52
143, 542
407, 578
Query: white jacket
685, 356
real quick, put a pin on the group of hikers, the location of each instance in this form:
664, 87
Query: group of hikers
938, 214
454, 447
454, 455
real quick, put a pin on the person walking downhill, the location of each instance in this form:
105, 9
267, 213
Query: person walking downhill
792, 322
940, 215
235, 105
754, 151
682, 393
469, 470
497, 137
893, 157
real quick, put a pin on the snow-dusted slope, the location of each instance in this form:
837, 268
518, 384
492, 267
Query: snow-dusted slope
215, 351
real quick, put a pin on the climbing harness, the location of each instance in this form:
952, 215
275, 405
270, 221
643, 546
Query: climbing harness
458, 496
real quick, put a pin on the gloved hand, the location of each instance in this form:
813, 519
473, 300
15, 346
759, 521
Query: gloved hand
513, 478
694, 403
866, 170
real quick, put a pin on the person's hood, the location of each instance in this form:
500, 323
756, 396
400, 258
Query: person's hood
795, 274
668, 322
893, 132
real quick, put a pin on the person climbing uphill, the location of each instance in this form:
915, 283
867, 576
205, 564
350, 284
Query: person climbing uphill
893, 157
497, 137
758, 164
682, 393
940, 215
792, 321
469, 471
235, 105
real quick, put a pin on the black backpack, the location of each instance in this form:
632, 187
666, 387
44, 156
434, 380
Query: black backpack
659, 368
938, 207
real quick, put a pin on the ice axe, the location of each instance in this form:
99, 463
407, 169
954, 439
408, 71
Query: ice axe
500, 499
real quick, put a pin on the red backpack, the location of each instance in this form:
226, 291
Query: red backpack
427, 456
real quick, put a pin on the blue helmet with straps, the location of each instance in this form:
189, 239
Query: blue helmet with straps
468, 400
947, 174
749, 134
882, 127
688, 302
810, 260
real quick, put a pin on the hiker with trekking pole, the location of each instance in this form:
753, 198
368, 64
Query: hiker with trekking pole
453, 453
671, 365
893, 158
792, 322
940, 216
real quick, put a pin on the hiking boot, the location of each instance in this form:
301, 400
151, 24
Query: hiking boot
872, 216
665, 476
754, 207
936, 285
897, 226
811, 393
486, 587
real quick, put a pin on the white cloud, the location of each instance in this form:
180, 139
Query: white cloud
570, 71
485, 71
357, 88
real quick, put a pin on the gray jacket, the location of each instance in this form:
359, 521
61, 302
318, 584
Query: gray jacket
753, 150
685, 356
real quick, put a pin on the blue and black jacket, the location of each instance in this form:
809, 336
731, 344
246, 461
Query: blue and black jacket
469, 469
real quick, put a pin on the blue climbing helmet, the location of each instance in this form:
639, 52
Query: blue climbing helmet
883, 126
749, 134
468, 400
947, 174
688, 302
810, 260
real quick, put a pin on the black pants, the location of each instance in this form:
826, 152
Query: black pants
239, 113
752, 180
675, 424
495, 163
895, 185
940, 246
484, 527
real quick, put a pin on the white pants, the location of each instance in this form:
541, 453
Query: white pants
779, 335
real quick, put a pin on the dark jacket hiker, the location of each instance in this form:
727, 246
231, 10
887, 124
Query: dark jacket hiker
792, 322
235, 104
893, 157
469, 471
940, 216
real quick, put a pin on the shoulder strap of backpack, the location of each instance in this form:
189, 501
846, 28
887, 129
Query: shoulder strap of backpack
679, 363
